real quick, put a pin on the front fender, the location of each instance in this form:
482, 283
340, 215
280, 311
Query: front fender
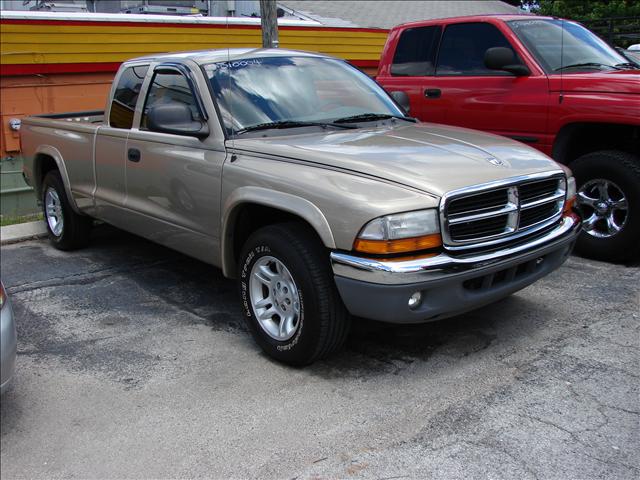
269, 198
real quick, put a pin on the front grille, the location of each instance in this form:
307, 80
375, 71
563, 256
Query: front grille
537, 190
495, 214
479, 228
535, 215
480, 201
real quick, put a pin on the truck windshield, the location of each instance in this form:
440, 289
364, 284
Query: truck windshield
295, 91
559, 45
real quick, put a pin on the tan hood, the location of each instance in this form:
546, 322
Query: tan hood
430, 157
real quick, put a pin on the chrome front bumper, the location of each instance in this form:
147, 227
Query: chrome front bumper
380, 289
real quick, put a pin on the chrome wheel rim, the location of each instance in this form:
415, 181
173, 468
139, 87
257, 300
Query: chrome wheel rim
604, 207
53, 211
274, 298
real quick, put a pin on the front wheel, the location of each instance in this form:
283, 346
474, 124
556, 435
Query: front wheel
67, 229
609, 199
289, 299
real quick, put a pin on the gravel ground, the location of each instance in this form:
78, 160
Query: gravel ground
133, 362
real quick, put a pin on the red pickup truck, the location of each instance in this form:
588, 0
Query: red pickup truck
544, 81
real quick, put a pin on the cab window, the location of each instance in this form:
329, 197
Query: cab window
126, 95
463, 47
169, 87
416, 52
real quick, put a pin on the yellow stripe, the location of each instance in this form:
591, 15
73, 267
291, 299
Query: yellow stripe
101, 48
101, 38
39, 58
32, 44
347, 33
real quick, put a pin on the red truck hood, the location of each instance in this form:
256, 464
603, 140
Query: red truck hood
622, 81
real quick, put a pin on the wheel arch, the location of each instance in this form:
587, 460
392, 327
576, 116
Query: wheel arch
249, 208
579, 138
47, 158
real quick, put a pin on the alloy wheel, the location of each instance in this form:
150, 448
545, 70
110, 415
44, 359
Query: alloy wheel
53, 211
604, 208
274, 298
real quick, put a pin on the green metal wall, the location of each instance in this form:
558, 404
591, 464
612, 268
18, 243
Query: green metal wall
16, 197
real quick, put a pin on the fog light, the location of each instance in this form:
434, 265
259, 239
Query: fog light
415, 300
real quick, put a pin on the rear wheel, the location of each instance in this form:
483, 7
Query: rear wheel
609, 199
289, 299
67, 229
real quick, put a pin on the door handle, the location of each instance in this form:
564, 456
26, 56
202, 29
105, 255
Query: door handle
432, 93
133, 155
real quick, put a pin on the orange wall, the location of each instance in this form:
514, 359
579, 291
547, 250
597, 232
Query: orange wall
58, 65
48, 93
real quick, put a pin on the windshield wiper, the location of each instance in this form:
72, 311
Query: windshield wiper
365, 117
628, 65
289, 124
587, 64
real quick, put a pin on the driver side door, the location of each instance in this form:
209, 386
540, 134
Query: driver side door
173, 181
473, 96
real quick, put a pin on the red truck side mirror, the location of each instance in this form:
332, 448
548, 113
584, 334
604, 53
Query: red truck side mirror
502, 58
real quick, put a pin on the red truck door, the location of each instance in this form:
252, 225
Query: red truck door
461, 91
412, 67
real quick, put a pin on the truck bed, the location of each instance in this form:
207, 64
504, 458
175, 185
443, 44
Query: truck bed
67, 138
88, 116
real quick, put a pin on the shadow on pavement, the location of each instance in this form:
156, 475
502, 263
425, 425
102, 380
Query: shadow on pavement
205, 297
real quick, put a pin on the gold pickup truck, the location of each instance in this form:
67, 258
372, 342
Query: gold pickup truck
300, 177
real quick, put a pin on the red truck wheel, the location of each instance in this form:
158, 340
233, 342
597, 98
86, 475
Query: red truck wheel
609, 199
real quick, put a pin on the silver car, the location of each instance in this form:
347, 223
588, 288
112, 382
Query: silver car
8, 340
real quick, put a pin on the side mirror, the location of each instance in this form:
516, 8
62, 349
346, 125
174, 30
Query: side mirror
502, 58
402, 99
175, 118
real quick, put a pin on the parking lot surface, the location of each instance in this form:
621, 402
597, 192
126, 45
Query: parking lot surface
133, 362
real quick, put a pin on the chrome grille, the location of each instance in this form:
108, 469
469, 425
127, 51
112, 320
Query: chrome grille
536, 190
501, 211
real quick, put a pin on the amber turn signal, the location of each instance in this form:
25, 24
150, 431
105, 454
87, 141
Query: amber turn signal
404, 245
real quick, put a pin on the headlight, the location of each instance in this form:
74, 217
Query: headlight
400, 233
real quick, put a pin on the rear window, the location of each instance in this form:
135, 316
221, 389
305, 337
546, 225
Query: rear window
416, 52
126, 95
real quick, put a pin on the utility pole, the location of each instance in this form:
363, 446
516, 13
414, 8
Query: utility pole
269, 22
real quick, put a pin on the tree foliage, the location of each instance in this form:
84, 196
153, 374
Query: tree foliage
616, 21
585, 9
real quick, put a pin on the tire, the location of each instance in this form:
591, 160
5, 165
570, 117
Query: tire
73, 230
320, 323
618, 174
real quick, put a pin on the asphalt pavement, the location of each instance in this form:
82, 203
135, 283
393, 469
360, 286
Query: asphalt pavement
134, 362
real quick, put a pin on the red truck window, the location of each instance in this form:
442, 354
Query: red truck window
559, 45
463, 47
416, 52
126, 96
